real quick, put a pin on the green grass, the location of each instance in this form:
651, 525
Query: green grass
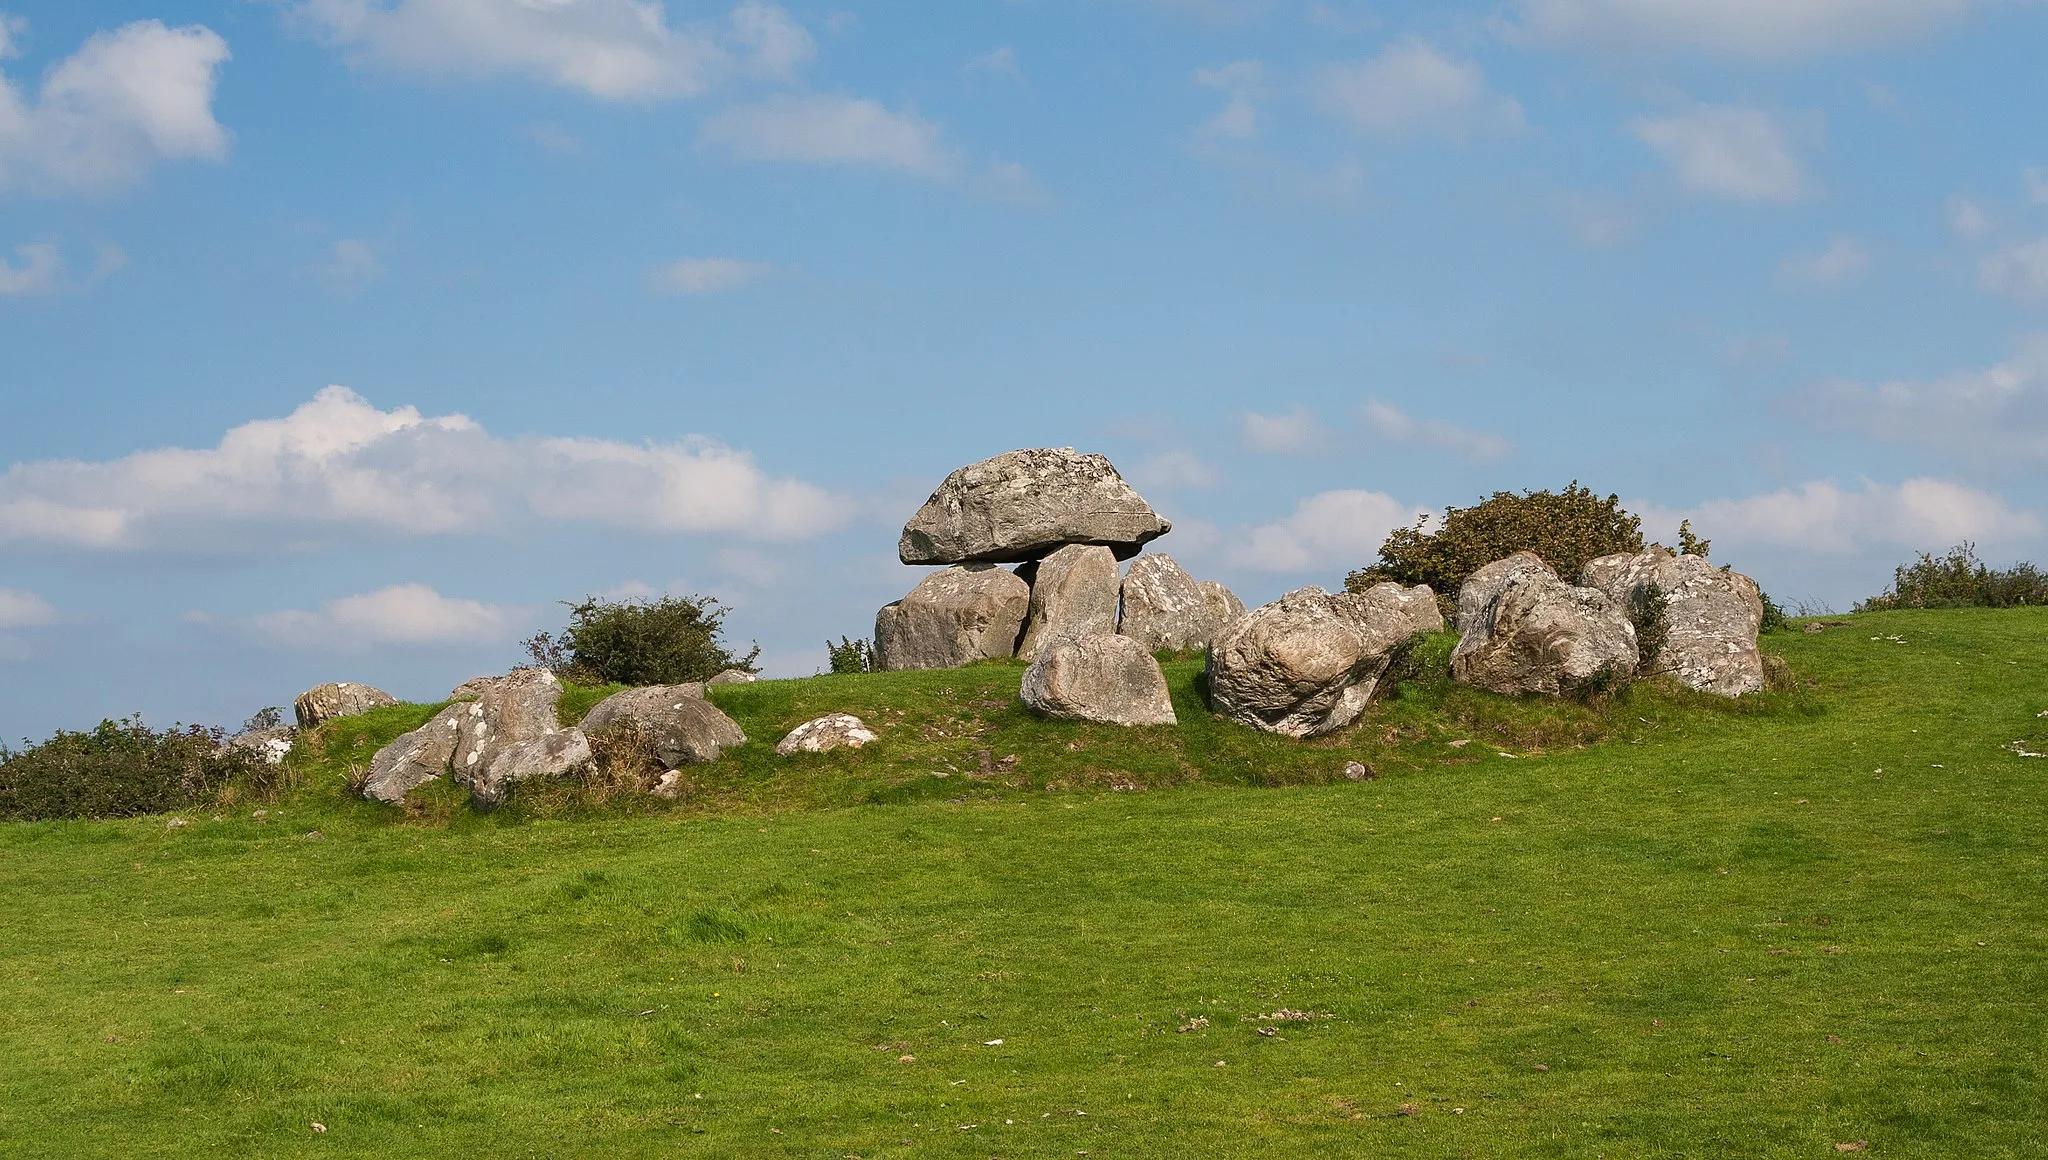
1710, 931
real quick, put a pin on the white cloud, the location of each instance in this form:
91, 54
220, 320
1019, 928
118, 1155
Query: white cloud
1397, 426
1728, 151
1297, 430
554, 138
1239, 118
1844, 261
1342, 529
1000, 61
1966, 219
2036, 180
126, 99
1758, 29
708, 275
404, 614
338, 464
349, 267
2017, 271
41, 266
1411, 90
1595, 222
20, 608
2000, 412
610, 49
830, 130
1825, 517
1173, 469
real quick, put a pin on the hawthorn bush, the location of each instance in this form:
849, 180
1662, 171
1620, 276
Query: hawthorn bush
1567, 528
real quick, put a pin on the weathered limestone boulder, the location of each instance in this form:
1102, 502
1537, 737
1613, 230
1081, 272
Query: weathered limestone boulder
1163, 607
955, 615
1711, 617
733, 677
556, 754
1108, 679
1223, 604
498, 736
1523, 630
1073, 593
270, 745
1022, 505
339, 699
1307, 664
413, 759
1419, 603
676, 723
821, 734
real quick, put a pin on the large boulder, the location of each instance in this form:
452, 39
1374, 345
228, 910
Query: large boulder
1523, 630
1108, 679
413, 759
1163, 607
1711, 616
1024, 504
955, 615
823, 734
1073, 593
338, 699
1223, 605
508, 734
676, 723
1307, 664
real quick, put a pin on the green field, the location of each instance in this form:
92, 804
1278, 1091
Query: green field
1657, 927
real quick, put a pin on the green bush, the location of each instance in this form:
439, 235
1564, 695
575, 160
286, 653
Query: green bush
851, 656
121, 769
1959, 580
1647, 611
639, 642
1566, 528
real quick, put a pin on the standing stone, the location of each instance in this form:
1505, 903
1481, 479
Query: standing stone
1073, 593
677, 725
1307, 664
954, 616
1112, 680
1711, 616
413, 759
340, 699
1024, 504
1163, 607
1523, 630
823, 734
1223, 605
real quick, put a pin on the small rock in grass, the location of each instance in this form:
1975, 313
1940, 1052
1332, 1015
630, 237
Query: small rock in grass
1358, 771
820, 734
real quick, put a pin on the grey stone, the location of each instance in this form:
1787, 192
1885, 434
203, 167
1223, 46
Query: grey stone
413, 759
557, 754
1308, 663
1163, 607
678, 726
339, 699
1358, 771
1073, 593
1712, 616
1024, 504
1523, 630
471, 689
822, 734
733, 677
954, 616
1223, 605
1108, 679
270, 745
513, 710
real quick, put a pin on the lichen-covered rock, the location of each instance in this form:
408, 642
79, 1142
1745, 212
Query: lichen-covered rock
822, 734
1024, 504
267, 745
491, 749
1523, 630
677, 725
557, 754
1163, 607
733, 677
955, 615
1711, 616
338, 699
413, 759
1112, 680
1073, 593
1307, 664
471, 689
1223, 605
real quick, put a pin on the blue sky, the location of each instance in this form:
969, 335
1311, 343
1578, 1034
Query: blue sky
345, 337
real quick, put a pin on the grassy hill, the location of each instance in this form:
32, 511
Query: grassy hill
1661, 926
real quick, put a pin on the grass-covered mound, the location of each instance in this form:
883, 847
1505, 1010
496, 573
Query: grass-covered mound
1761, 932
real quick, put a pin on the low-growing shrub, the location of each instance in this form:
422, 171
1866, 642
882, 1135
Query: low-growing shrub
1566, 528
1959, 580
640, 642
123, 769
